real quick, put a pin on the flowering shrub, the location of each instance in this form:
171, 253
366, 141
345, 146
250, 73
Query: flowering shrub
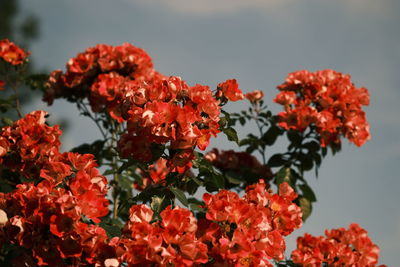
327, 100
340, 247
58, 209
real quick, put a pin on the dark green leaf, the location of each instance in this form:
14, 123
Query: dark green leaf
276, 160
324, 151
111, 229
231, 134
242, 121
265, 115
179, 195
308, 192
219, 180
317, 159
294, 137
312, 146
271, 135
191, 187
307, 162
245, 141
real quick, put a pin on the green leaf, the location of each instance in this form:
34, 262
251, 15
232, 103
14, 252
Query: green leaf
269, 138
223, 122
276, 160
125, 182
7, 121
219, 180
335, 147
285, 175
294, 137
156, 203
307, 162
242, 121
210, 186
266, 115
111, 229
231, 134
306, 207
191, 187
312, 146
179, 195
308, 192
197, 181
324, 151
317, 159
233, 177
196, 207
245, 141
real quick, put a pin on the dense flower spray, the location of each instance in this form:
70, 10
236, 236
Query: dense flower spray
58, 209
328, 100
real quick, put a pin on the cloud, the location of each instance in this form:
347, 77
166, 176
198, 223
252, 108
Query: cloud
215, 7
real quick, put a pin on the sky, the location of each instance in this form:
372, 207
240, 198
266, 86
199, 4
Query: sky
258, 42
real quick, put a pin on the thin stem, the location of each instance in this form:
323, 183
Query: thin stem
115, 128
14, 86
256, 109
95, 119
17, 103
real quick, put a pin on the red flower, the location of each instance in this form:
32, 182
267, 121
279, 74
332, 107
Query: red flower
255, 96
11, 53
230, 90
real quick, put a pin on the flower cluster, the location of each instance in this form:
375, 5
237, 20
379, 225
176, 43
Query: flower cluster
47, 216
169, 242
237, 231
47, 220
328, 100
11, 53
158, 110
29, 145
249, 231
340, 247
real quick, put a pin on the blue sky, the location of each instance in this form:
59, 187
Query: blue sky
258, 42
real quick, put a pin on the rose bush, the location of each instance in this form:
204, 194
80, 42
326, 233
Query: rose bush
58, 209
